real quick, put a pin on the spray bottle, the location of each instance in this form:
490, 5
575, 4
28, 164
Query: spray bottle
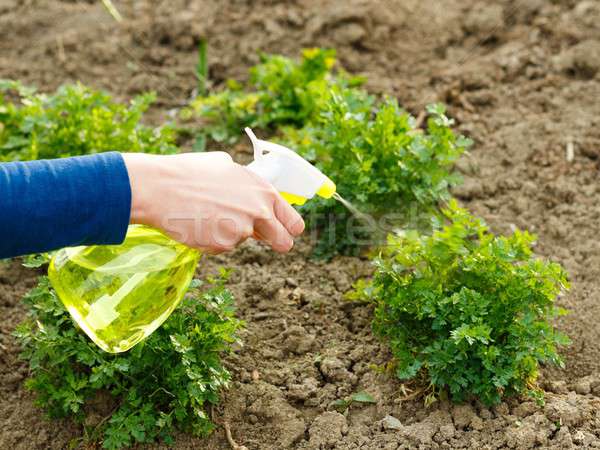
120, 294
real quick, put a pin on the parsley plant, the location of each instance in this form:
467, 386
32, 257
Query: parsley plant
75, 120
164, 383
470, 311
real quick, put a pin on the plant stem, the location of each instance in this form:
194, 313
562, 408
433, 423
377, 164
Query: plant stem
202, 67
108, 4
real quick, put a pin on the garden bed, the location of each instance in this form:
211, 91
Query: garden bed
522, 78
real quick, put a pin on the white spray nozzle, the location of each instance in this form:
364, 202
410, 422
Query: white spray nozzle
294, 177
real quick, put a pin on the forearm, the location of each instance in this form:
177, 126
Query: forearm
45, 205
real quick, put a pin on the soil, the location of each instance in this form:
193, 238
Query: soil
522, 78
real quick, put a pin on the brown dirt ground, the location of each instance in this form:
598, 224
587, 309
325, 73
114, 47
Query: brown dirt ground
521, 77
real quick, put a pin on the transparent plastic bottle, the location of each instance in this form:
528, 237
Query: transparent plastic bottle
120, 294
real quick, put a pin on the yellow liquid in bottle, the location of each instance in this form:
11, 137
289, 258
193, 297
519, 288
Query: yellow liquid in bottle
120, 294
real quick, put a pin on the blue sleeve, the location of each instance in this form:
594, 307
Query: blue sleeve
50, 204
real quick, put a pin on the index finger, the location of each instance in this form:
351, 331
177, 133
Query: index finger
288, 216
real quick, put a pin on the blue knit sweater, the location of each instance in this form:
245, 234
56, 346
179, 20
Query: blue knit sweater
49, 204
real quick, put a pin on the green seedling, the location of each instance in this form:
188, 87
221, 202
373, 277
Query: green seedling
361, 397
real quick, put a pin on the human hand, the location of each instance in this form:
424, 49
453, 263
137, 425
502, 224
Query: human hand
207, 201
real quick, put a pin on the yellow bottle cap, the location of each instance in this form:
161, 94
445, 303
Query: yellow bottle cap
293, 199
327, 190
